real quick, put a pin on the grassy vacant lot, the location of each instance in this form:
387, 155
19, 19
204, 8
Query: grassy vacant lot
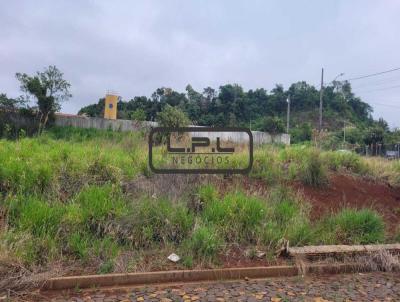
64, 199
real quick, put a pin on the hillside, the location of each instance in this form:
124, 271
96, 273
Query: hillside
231, 105
263, 110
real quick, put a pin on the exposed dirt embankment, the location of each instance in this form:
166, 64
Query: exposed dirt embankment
354, 192
342, 191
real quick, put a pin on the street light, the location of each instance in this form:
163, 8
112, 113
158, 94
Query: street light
339, 75
288, 114
334, 80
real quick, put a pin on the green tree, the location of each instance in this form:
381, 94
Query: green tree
15, 117
392, 137
194, 103
374, 135
93, 110
49, 88
138, 115
301, 133
272, 125
232, 105
9, 103
172, 117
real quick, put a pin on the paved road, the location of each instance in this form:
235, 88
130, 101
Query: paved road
351, 287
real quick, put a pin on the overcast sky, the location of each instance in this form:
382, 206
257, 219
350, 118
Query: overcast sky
134, 47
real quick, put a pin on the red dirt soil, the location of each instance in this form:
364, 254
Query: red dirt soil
342, 191
354, 192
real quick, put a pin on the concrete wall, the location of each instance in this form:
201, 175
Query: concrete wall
128, 125
259, 137
100, 123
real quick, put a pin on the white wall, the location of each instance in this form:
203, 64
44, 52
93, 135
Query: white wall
129, 125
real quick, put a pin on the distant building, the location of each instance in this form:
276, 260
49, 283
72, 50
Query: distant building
110, 108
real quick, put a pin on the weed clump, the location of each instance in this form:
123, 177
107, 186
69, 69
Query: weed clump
267, 166
351, 226
236, 216
204, 244
313, 171
287, 217
348, 161
156, 222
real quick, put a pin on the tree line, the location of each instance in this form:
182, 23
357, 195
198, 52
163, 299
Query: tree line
229, 105
259, 109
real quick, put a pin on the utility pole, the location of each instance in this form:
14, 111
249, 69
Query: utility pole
398, 150
344, 132
321, 92
288, 114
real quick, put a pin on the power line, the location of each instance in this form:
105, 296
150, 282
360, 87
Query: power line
387, 105
373, 74
380, 89
380, 82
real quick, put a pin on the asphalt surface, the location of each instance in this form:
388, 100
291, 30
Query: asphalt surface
345, 287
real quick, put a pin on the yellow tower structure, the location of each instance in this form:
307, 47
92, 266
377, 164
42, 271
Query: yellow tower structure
110, 109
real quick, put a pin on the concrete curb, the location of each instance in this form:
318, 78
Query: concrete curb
191, 276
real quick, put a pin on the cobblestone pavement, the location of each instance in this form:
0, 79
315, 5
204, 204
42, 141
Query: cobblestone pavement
349, 287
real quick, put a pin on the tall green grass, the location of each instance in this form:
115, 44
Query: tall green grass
351, 226
237, 216
156, 222
312, 171
204, 244
287, 217
100, 222
62, 197
49, 165
336, 161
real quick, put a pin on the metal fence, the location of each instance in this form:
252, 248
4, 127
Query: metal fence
390, 151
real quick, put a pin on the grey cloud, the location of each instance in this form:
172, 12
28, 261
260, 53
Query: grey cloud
136, 46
